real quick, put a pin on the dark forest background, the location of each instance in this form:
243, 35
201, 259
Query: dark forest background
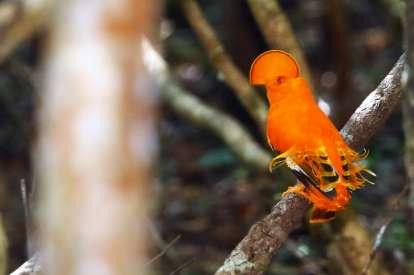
205, 196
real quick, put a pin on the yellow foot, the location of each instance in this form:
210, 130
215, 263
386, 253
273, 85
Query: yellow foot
276, 161
327, 187
298, 189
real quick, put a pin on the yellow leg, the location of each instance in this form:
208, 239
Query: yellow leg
328, 187
313, 196
276, 161
298, 188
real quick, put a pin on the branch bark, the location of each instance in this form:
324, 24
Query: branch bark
278, 31
30, 267
375, 109
250, 258
254, 253
253, 103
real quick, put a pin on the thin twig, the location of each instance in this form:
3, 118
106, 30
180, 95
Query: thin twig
27, 216
250, 99
395, 206
159, 255
181, 267
24, 198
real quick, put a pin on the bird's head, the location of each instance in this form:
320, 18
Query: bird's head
272, 68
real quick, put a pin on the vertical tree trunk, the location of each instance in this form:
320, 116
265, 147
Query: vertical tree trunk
97, 139
344, 100
408, 107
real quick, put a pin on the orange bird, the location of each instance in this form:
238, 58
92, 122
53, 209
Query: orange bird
310, 145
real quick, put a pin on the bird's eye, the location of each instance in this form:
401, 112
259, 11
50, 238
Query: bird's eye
280, 79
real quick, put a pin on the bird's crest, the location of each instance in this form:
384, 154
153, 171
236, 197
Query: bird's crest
271, 65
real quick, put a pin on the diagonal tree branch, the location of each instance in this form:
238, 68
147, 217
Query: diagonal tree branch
278, 31
223, 63
254, 253
190, 107
30, 267
221, 124
375, 109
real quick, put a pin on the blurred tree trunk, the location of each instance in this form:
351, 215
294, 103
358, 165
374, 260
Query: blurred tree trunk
408, 107
97, 140
351, 248
3, 248
408, 124
243, 46
343, 101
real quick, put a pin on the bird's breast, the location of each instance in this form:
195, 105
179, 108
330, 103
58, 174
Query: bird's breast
292, 126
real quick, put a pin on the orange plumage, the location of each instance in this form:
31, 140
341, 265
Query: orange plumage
310, 145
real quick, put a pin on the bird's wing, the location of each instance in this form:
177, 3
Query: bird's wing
310, 168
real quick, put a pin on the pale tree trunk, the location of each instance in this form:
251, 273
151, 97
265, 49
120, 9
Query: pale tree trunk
97, 139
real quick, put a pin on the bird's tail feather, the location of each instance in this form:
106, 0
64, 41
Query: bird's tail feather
321, 216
